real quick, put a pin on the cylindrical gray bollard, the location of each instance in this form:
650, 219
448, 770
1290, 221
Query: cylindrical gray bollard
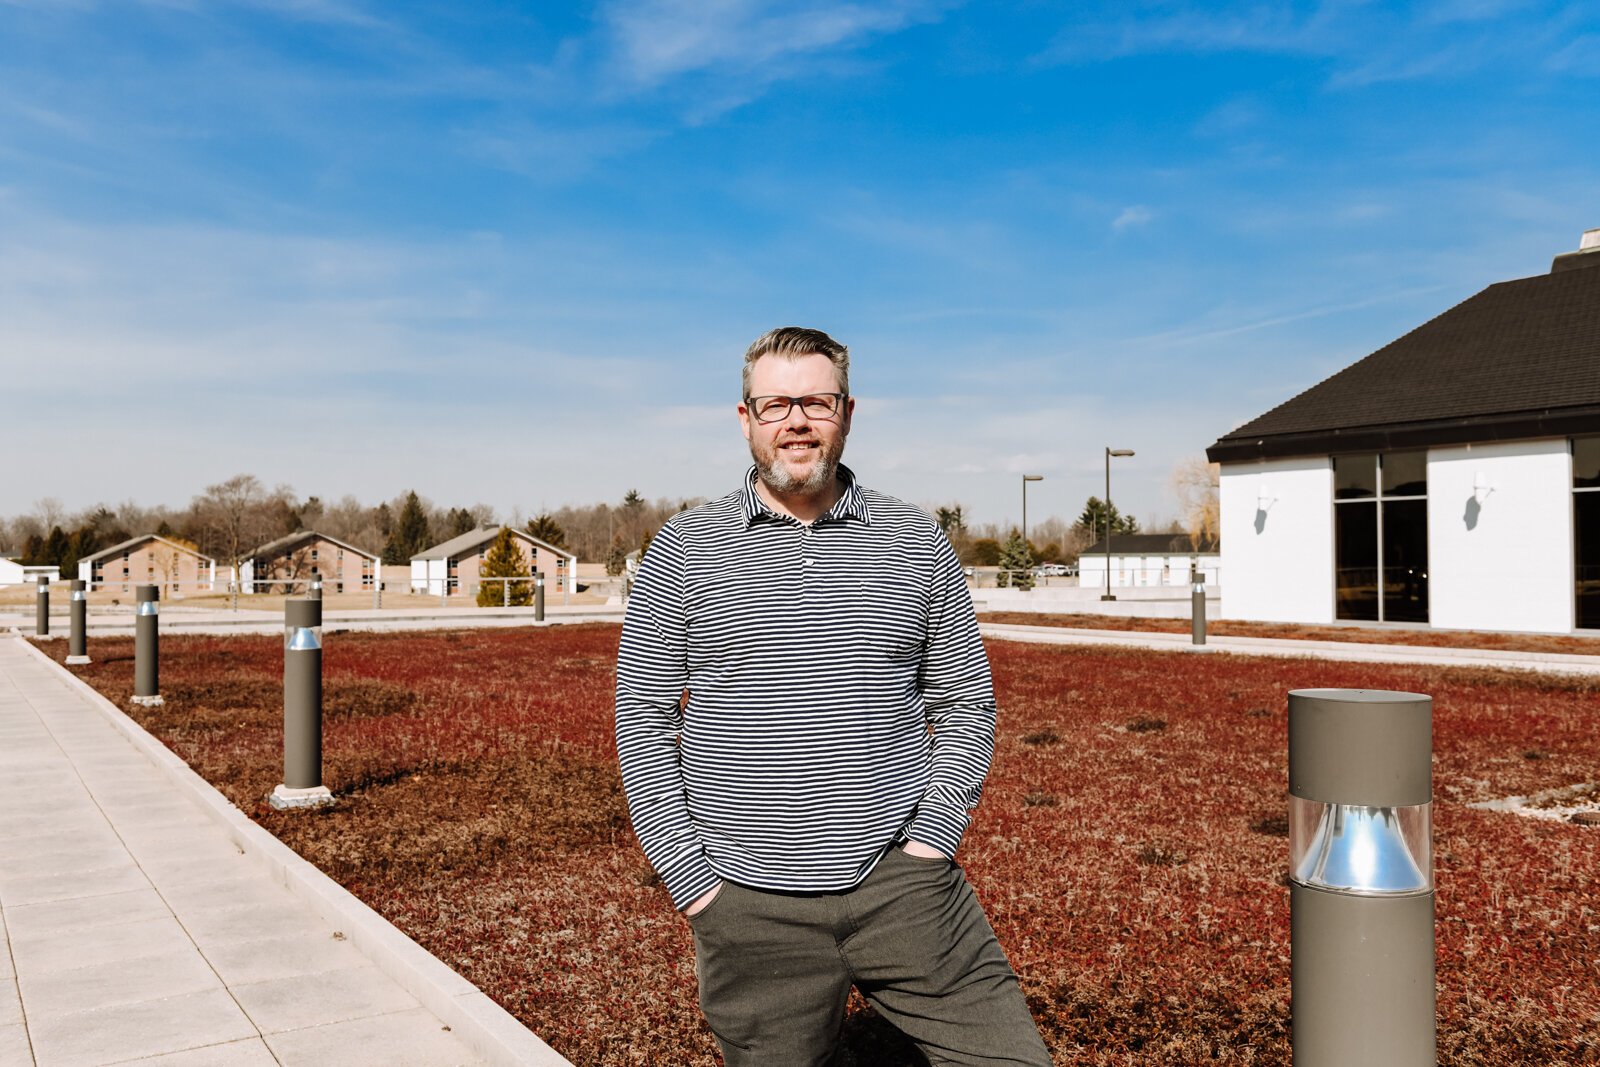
538, 596
302, 708
78, 635
1361, 878
505, 593
41, 618
1197, 607
377, 594
147, 645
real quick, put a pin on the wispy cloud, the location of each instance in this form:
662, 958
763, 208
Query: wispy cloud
1133, 215
656, 40
1366, 44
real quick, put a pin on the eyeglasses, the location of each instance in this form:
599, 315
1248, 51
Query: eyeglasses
777, 408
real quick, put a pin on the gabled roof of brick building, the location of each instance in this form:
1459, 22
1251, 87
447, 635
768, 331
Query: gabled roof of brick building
469, 542
133, 542
289, 541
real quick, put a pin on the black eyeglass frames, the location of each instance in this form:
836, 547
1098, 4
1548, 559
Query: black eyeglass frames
776, 408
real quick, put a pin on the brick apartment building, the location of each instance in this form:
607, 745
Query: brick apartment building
456, 563
289, 564
149, 560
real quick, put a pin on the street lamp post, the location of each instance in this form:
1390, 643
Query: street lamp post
1109, 453
1026, 478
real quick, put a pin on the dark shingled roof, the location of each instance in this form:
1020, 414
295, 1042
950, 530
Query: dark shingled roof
1520, 359
1165, 544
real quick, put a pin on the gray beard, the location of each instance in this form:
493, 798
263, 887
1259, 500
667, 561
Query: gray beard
779, 480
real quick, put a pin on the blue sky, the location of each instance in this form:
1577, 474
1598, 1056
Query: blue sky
512, 253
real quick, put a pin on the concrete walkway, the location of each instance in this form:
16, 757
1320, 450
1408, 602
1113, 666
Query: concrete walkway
134, 929
1550, 662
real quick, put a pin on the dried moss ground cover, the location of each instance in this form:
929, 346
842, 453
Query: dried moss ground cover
1130, 848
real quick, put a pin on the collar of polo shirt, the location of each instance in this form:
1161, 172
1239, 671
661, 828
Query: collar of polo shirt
850, 505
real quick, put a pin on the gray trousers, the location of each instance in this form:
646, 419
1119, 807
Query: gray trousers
776, 968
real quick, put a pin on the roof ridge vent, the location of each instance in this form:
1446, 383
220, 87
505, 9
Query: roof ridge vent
1585, 256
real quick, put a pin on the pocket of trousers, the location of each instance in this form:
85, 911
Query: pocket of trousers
699, 917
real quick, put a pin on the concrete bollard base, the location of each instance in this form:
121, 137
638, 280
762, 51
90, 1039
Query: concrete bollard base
283, 798
78, 661
149, 702
47, 637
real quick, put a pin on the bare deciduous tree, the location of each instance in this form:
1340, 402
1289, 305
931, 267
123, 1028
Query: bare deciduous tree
1196, 485
237, 515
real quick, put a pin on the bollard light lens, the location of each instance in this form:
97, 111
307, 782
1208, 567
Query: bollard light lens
302, 638
1355, 848
149, 607
79, 594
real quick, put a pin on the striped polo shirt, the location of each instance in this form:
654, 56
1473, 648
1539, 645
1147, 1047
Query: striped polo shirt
838, 694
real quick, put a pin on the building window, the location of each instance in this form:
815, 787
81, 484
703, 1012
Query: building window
1586, 531
1381, 536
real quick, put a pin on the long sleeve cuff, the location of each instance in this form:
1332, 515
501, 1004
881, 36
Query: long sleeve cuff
686, 885
940, 827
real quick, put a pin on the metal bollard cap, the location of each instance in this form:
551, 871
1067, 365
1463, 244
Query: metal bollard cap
145, 593
302, 613
1361, 746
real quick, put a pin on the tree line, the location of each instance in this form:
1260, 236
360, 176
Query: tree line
229, 520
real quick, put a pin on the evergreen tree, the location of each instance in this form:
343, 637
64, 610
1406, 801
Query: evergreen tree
166, 530
644, 546
410, 533
55, 550
459, 521
505, 560
616, 556
33, 551
1016, 563
1093, 520
545, 528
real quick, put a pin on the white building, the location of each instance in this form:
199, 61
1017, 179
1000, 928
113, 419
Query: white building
1148, 560
14, 572
1450, 479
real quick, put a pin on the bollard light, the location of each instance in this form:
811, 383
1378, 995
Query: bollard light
147, 646
1361, 888
78, 635
302, 708
538, 596
41, 619
1197, 607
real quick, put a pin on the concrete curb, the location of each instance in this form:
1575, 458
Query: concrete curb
485, 1027
121, 625
1362, 652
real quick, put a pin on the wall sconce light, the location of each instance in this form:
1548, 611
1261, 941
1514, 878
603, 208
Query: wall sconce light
1481, 487
1264, 498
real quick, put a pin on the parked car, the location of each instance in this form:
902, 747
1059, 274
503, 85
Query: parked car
1052, 570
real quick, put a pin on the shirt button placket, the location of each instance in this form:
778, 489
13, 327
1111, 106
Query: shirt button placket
808, 562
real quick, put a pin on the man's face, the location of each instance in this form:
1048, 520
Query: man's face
797, 453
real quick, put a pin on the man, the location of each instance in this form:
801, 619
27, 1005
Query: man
796, 805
